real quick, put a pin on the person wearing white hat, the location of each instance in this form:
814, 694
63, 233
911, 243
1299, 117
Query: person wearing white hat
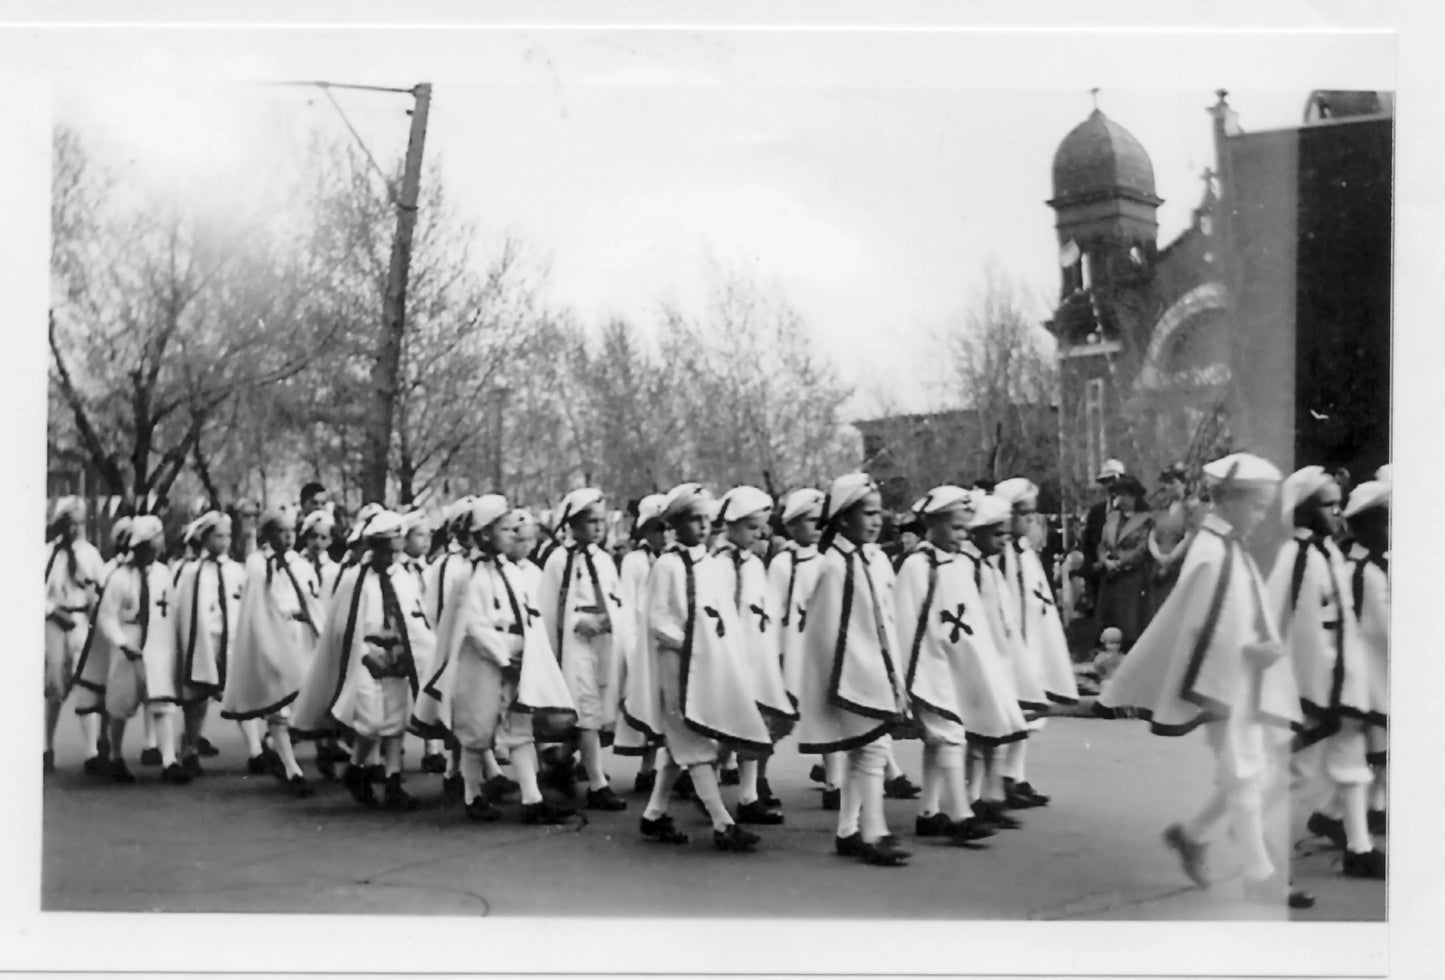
497, 675
278, 624
636, 566
373, 649
208, 600
1111, 472
1040, 631
188, 551
1308, 589
74, 572
851, 691
93, 667
1212, 659
136, 622
791, 576
960, 687
315, 538
1368, 514
692, 688
589, 628
744, 513
990, 529
356, 540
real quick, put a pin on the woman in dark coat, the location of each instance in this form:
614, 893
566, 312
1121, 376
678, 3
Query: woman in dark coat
1124, 562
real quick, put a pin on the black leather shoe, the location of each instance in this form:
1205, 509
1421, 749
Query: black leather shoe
94, 766
662, 830
299, 787
992, 812
119, 773
968, 830
482, 809
885, 853
543, 813
901, 788
850, 846
1375, 822
645, 781
361, 788
1024, 789
435, 763
205, 748
192, 765
933, 825
729, 777
1329, 828
765, 794
256, 765
376, 773
150, 757
325, 765
734, 839
397, 798
832, 800
683, 789
453, 787
175, 775
1370, 864
1192, 854
818, 774
605, 799
1300, 899
757, 814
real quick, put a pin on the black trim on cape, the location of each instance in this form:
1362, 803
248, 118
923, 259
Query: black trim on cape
262, 712
891, 717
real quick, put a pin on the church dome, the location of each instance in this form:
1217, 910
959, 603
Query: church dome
1101, 158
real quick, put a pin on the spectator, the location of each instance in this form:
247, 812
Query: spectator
1123, 559
1171, 535
1111, 471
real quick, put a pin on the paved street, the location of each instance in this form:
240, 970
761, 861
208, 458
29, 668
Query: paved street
235, 843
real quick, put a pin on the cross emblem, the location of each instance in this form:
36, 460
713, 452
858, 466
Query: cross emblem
763, 618
164, 602
616, 601
532, 615
315, 590
1043, 596
955, 621
721, 630
802, 617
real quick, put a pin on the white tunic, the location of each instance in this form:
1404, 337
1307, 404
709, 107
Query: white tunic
138, 613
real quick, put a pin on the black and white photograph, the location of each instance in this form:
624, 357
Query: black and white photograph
697, 472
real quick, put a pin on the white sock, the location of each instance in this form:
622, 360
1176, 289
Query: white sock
1379, 790
165, 729
491, 769
667, 773
1357, 829
373, 758
431, 746
281, 741
592, 759
1013, 760
932, 781
955, 788
149, 730
872, 823
472, 771
891, 768
524, 764
1244, 807
850, 804
748, 781
834, 765
391, 749
973, 768
704, 783
251, 729
90, 733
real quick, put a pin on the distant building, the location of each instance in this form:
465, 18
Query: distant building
1270, 310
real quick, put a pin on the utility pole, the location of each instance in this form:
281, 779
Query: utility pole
385, 370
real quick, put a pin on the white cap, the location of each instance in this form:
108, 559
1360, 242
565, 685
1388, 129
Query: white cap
317, 520
742, 502
72, 507
943, 499
412, 519
650, 508
1370, 494
577, 501
283, 514
205, 523
846, 491
1016, 491
364, 517
1111, 468
1300, 486
1242, 470
1383, 474
988, 510
486, 510
120, 527
802, 503
145, 528
523, 516
384, 524
683, 498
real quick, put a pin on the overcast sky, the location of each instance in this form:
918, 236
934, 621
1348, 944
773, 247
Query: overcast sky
871, 177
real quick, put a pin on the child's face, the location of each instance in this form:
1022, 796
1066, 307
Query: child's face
1112, 645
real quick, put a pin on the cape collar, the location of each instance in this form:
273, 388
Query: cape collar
1213, 522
